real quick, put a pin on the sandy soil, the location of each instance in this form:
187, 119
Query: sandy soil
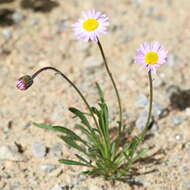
31, 38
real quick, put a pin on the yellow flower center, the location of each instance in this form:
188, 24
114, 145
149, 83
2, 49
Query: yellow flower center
151, 58
90, 24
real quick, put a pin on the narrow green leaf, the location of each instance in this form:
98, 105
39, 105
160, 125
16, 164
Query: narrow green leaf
45, 126
95, 110
89, 135
113, 150
100, 92
73, 144
70, 133
83, 130
81, 115
72, 162
140, 154
62, 130
82, 159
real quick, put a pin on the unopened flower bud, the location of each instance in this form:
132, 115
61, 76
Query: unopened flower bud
23, 83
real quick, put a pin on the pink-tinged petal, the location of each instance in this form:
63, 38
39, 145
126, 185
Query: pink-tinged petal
84, 35
155, 46
151, 47
23, 83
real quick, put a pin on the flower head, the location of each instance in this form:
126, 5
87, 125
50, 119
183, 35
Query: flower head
24, 82
91, 25
151, 56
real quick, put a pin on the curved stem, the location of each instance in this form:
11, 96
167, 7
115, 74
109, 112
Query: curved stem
72, 84
114, 85
150, 106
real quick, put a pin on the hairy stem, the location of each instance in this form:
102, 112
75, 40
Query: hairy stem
114, 85
150, 106
72, 84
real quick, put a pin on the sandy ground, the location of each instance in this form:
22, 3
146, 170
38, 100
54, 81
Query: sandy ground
31, 38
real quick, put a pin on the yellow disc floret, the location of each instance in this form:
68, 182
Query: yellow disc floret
151, 58
90, 24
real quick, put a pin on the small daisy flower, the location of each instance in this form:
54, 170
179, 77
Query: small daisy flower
90, 26
151, 56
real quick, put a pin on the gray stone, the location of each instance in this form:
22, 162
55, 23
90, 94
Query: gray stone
156, 109
29, 188
57, 172
33, 22
141, 121
48, 168
141, 101
38, 150
187, 147
5, 175
137, 2
55, 150
32, 180
14, 186
177, 120
172, 60
7, 33
61, 26
11, 152
17, 17
60, 187
179, 137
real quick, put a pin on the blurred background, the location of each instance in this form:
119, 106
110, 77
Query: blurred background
38, 33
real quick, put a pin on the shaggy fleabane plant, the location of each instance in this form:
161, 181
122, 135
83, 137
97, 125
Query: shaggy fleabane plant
102, 154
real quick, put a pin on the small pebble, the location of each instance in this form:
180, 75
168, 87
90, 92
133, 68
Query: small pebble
57, 172
60, 187
55, 150
14, 186
7, 33
141, 101
10, 152
141, 121
38, 150
187, 147
17, 17
177, 120
156, 109
32, 180
172, 60
48, 168
178, 137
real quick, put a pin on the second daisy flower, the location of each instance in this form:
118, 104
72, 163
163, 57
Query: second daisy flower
151, 56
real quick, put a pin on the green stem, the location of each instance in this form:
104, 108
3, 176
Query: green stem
142, 135
72, 84
150, 106
114, 85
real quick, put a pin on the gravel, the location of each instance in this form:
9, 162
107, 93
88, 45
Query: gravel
17, 17
141, 101
48, 168
11, 152
38, 150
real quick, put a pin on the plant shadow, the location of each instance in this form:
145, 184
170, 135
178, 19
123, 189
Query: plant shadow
6, 1
6, 17
130, 178
44, 6
179, 99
